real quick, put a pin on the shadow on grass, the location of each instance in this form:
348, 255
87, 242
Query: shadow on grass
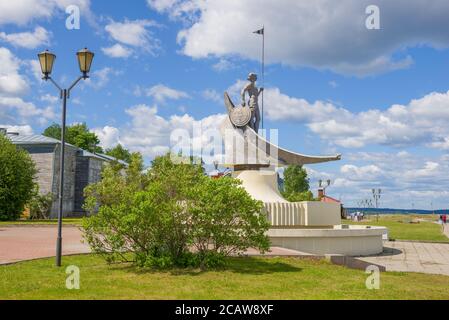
242, 265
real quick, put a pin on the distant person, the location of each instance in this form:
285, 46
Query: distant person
444, 218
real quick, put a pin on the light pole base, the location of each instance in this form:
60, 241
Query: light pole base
58, 251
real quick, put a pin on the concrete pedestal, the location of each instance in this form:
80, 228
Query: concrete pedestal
309, 226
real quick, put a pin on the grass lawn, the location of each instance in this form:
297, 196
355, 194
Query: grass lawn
65, 221
400, 228
244, 278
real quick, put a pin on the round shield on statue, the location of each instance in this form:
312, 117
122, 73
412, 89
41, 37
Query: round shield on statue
240, 116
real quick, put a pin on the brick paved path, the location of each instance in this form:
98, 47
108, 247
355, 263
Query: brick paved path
32, 242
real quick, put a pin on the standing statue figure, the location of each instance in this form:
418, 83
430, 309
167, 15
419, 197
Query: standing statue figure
253, 102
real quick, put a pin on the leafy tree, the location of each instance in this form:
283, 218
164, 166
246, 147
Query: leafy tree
80, 136
300, 196
17, 172
120, 153
295, 179
77, 134
158, 217
53, 131
296, 184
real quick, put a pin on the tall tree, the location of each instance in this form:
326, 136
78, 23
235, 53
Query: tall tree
53, 131
295, 179
78, 134
296, 184
120, 153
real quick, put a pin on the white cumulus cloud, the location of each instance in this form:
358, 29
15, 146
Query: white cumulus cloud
100, 78
135, 33
29, 40
11, 81
22, 12
117, 51
109, 136
323, 34
149, 133
161, 93
422, 121
20, 129
403, 177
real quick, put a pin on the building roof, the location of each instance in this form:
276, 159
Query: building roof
101, 156
329, 199
31, 139
37, 139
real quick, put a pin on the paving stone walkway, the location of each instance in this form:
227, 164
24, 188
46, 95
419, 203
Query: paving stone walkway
33, 242
413, 257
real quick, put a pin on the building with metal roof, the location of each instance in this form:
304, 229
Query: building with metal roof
81, 169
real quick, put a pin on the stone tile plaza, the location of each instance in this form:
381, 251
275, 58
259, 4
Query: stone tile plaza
205, 153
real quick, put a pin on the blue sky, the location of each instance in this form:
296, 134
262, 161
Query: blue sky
379, 97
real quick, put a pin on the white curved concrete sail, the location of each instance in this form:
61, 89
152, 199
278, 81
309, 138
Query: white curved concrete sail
261, 186
243, 146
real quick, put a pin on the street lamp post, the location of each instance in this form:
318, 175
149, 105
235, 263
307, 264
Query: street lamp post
46, 60
376, 197
366, 204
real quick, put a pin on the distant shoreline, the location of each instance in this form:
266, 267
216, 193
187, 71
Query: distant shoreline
396, 211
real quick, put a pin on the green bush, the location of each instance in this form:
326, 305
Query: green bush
173, 215
40, 205
17, 171
225, 219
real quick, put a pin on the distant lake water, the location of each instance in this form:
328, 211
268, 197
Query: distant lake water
395, 211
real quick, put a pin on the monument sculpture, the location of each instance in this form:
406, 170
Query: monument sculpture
244, 147
309, 226
253, 103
